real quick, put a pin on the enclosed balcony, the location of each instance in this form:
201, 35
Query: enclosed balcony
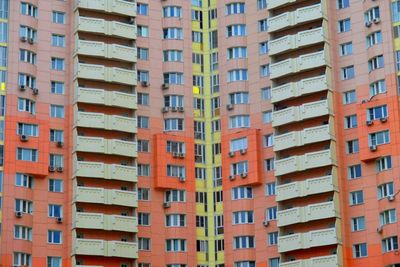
307, 187
303, 87
299, 64
304, 162
105, 196
104, 222
105, 171
324, 261
111, 51
98, 247
122, 7
107, 122
107, 74
107, 98
105, 146
299, 16
304, 137
101, 26
299, 40
304, 112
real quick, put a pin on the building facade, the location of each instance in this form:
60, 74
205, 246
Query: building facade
199, 133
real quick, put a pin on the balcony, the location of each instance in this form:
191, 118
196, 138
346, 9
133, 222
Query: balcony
105, 171
303, 112
296, 41
111, 51
303, 87
308, 213
299, 16
105, 222
299, 64
324, 261
110, 6
307, 187
304, 137
107, 98
107, 74
107, 122
278, 3
105, 146
97, 247
307, 240
304, 162
105, 196
101, 26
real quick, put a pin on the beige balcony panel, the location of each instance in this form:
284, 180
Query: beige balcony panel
313, 60
122, 249
121, 172
125, 30
283, 68
319, 159
108, 122
123, 76
105, 222
122, 223
105, 146
90, 71
290, 242
277, 3
90, 120
288, 191
91, 48
87, 24
285, 116
310, 37
108, 98
285, 91
89, 194
88, 220
120, 99
285, 43
112, 51
111, 28
89, 169
310, 13
123, 124
320, 185
90, 144
93, 247
324, 261
110, 6
105, 171
315, 109
281, 21
287, 140
290, 216
122, 198
124, 148
289, 165
92, 96
323, 237
99, 72
122, 52
299, 263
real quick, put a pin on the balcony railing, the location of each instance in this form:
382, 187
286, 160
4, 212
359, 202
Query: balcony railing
105, 171
107, 122
110, 6
98, 247
324, 261
105, 222
107, 98
105, 196
105, 146
100, 49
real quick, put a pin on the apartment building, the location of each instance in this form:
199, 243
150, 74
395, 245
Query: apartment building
197, 133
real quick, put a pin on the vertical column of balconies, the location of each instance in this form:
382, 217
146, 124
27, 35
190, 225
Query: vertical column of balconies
104, 141
303, 118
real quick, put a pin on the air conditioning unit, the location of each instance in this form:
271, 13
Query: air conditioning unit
35, 91
23, 39
379, 229
59, 219
181, 155
174, 109
376, 20
30, 40
369, 123
231, 154
383, 119
22, 87
60, 169
18, 214
181, 109
391, 197
373, 148
243, 151
198, 136
165, 86
175, 154
60, 144
229, 107
165, 109
243, 175
144, 83
368, 24
166, 204
182, 179
52, 169
265, 223
232, 177
23, 138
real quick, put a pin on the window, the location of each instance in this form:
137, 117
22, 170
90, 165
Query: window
352, 146
142, 31
239, 98
143, 76
378, 87
173, 55
56, 185
173, 125
24, 206
143, 122
22, 259
143, 194
54, 237
173, 33
235, 8
384, 164
360, 250
350, 122
377, 113
22, 232
263, 25
197, 15
237, 75
245, 264
28, 33
4, 9
176, 171
375, 63
273, 262
55, 211
374, 38
240, 242
342, 4
239, 168
354, 171
24, 56
143, 99
263, 48
346, 49
269, 164
238, 144
272, 238
143, 219
357, 224
57, 111
236, 30
27, 154
58, 17
173, 101
56, 135
349, 97
395, 11
142, 9
26, 80
175, 245
175, 196
197, 37
57, 63
268, 140
57, 88
261, 4
385, 190
347, 73
356, 197
58, 40
266, 93
214, 61
372, 15
144, 243
379, 138
54, 261
242, 192
270, 189
174, 146
237, 52
390, 244
271, 213
143, 53
344, 25
388, 216
143, 169
239, 121
29, 10
27, 129
143, 146
264, 70
242, 217
175, 220
23, 180
145, 265
172, 11
173, 78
